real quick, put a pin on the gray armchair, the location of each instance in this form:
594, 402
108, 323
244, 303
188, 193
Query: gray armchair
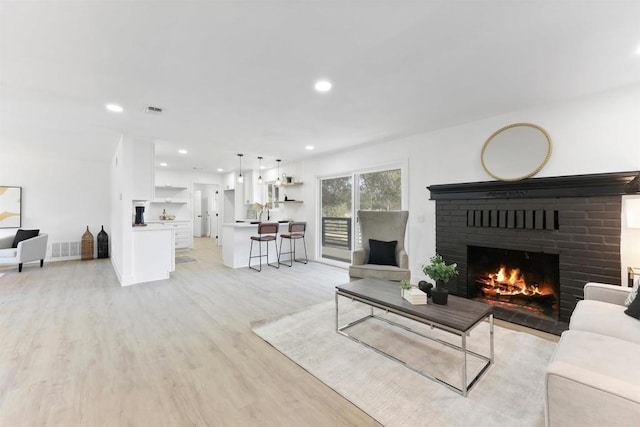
384, 226
33, 249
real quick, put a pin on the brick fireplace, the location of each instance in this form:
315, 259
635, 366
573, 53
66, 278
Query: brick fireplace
573, 222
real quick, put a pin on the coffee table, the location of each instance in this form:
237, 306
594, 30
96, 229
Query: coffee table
458, 317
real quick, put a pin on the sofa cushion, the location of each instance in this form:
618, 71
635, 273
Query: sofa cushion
606, 319
382, 253
383, 272
634, 309
8, 253
591, 381
24, 235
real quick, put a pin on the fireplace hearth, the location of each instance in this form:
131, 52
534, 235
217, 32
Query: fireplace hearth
569, 223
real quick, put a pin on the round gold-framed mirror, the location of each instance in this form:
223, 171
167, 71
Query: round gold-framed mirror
516, 152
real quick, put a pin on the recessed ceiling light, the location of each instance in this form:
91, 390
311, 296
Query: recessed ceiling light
182, 151
163, 164
309, 147
220, 170
114, 108
323, 86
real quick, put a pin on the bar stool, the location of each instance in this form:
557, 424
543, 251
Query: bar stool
267, 232
296, 231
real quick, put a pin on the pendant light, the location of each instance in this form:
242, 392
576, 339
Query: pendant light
259, 168
240, 178
278, 182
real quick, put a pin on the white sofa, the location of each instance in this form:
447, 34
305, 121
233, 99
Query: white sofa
593, 378
33, 249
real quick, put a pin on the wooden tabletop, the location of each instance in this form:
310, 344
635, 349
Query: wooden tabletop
460, 314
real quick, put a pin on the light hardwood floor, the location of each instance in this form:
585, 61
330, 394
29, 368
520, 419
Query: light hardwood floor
78, 349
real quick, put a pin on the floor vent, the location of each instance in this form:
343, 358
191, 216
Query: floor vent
65, 250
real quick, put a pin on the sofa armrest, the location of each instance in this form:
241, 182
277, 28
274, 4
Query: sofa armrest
612, 294
359, 257
6, 242
33, 249
402, 258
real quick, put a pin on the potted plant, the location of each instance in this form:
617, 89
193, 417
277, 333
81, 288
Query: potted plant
404, 286
441, 273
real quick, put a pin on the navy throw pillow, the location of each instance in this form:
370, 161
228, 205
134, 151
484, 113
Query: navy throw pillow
24, 235
382, 253
634, 308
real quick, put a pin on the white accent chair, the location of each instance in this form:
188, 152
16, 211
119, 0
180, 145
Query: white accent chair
385, 226
30, 250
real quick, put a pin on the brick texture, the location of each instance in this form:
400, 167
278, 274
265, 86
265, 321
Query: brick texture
583, 231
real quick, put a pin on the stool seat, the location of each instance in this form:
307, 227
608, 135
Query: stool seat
296, 232
267, 232
293, 236
263, 238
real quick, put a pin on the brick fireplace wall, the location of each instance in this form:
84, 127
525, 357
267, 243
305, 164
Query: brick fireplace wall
583, 231
577, 218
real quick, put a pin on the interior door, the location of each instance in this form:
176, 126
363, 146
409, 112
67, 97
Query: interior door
204, 220
197, 213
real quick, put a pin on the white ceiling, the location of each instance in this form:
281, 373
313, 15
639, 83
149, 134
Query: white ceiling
237, 76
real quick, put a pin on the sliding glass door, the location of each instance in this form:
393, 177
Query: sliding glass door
340, 200
337, 212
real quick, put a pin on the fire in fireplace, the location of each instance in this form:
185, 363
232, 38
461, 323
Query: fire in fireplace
519, 280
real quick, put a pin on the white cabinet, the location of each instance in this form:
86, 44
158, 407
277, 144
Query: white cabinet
153, 254
183, 234
181, 231
229, 181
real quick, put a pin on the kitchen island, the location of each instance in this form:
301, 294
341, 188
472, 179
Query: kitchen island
153, 253
236, 242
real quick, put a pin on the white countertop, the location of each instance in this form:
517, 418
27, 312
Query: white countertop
150, 227
248, 224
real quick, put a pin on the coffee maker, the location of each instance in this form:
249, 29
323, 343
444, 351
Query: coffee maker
139, 215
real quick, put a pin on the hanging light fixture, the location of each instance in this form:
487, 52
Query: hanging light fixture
240, 177
278, 181
259, 168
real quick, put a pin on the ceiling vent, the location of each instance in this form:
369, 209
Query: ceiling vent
152, 110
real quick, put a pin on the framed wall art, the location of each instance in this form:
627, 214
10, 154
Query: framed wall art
10, 207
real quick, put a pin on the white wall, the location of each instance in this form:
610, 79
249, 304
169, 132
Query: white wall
61, 196
595, 134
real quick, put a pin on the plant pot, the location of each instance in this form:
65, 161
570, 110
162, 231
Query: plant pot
439, 296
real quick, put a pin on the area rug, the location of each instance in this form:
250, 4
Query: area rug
185, 259
510, 393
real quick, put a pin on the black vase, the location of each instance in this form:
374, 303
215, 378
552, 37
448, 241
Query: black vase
439, 296
103, 244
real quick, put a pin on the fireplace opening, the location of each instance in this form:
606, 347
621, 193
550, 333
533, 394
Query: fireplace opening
521, 281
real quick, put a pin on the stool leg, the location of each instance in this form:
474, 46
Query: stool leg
306, 259
251, 257
280, 251
275, 245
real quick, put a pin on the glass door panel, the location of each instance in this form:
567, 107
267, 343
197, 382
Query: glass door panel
379, 191
337, 213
